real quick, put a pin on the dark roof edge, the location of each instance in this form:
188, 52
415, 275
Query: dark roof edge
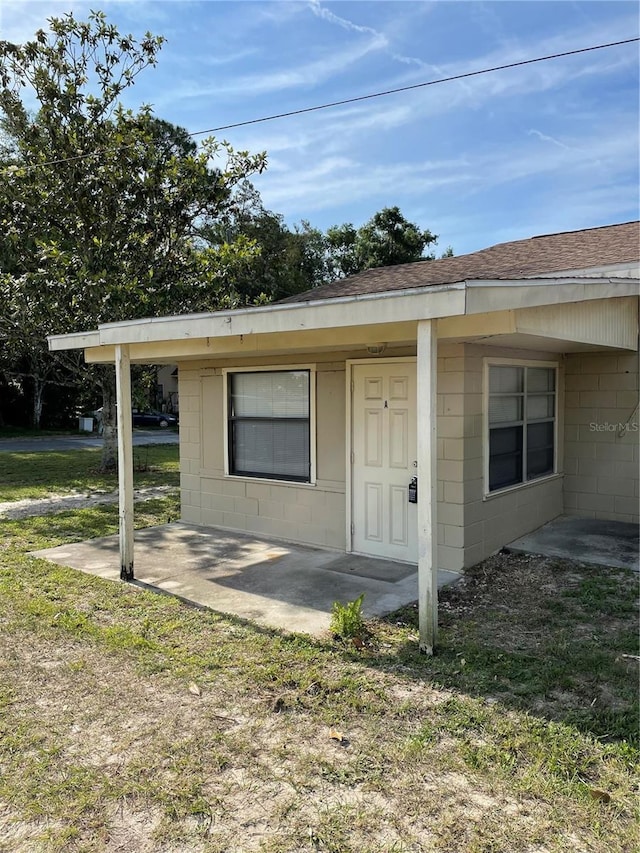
574, 231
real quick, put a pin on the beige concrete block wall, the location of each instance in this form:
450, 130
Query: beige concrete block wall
311, 514
602, 435
451, 441
492, 522
602, 472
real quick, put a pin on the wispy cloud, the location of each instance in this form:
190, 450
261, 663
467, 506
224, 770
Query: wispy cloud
19, 20
397, 111
341, 128
601, 155
322, 12
512, 152
230, 58
545, 138
308, 75
353, 180
604, 158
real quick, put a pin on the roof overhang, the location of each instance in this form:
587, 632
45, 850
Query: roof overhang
389, 316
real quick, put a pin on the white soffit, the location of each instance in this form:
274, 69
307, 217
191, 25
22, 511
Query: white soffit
609, 322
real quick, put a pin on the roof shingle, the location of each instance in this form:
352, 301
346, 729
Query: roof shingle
551, 253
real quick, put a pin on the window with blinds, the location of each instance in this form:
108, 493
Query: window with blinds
521, 414
269, 433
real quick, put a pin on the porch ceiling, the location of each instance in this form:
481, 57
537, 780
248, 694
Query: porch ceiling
532, 343
566, 327
273, 344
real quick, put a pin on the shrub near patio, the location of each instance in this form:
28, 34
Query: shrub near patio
130, 721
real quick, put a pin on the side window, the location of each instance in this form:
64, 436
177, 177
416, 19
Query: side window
521, 424
269, 424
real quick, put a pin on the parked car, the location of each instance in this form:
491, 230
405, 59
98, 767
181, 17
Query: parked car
146, 418
150, 418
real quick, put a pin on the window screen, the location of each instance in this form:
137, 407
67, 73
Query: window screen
269, 424
522, 411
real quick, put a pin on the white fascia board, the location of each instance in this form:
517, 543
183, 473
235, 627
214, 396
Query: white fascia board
627, 269
388, 307
366, 309
74, 340
557, 281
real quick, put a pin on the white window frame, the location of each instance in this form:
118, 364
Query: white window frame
516, 362
273, 368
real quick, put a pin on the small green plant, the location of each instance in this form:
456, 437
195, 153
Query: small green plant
347, 620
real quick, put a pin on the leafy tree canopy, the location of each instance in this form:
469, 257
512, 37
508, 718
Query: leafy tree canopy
385, 240
103, 208
284, 261
110, 214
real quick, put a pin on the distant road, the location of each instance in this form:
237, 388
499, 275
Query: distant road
81, 442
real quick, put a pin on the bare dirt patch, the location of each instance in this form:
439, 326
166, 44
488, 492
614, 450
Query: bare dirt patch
55, 503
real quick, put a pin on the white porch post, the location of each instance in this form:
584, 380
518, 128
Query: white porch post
427, 368
125, 460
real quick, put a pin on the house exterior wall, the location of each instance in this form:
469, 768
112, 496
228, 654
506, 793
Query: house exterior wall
310, 514
450, 471
492, 521
313, 514
602, 436
601, 469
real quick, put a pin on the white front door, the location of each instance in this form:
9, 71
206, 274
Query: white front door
383, 443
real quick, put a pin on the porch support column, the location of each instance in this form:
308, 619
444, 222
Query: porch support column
427, 369
125, 460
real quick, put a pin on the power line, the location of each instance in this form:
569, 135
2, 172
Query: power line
359, 98
415, 86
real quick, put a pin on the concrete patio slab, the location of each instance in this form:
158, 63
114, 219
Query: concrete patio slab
291, 587
586, 540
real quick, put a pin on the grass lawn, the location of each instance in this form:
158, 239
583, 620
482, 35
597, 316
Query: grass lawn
38, 474
130, 722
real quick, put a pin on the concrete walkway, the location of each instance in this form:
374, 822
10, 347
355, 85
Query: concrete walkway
586, 540
270, 582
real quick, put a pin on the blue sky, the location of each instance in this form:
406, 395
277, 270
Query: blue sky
548, 147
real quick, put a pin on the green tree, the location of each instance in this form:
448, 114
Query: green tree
284, 261
24, 358
102, 208
342, 251
385, 240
